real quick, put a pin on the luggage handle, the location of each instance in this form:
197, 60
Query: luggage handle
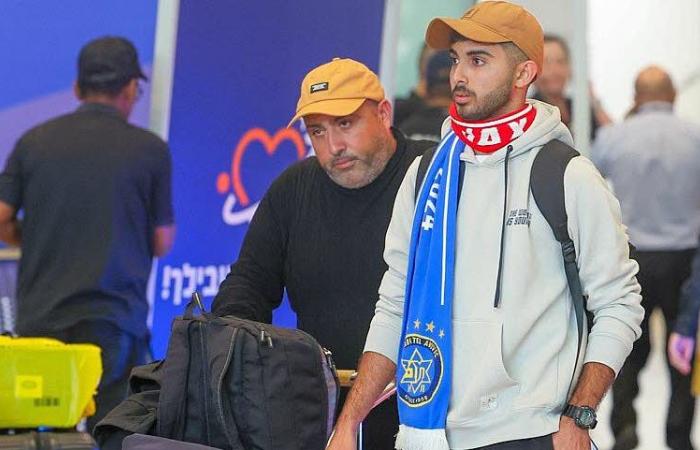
196, 302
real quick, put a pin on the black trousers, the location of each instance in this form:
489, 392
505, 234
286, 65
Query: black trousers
661, 275
120, 353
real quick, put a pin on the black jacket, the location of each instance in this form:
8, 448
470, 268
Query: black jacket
323, 244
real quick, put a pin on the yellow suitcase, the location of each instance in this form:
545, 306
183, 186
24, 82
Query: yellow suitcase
44, 382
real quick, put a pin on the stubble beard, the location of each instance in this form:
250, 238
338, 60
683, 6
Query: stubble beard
488, 105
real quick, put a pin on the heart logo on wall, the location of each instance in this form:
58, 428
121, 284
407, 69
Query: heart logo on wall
226, 181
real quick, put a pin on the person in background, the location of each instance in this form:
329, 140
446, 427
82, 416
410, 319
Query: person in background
652, 161
404, 107
681, 342
426, 122
95, 196
550, 85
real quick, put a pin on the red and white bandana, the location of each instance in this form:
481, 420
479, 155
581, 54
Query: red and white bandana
487, 136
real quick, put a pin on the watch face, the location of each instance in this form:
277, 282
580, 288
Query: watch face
586, 418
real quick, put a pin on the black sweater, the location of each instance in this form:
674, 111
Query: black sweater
324, 244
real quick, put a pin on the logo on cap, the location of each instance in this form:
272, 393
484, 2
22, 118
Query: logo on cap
318, 87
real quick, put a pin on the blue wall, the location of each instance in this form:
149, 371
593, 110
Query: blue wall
238, 68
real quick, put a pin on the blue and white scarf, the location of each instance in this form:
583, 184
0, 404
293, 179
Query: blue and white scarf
424, 368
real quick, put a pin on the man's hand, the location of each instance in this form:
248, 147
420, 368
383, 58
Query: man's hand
570, 437
680, 352
343, 438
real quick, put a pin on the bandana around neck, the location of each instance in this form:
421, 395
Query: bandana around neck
487, 136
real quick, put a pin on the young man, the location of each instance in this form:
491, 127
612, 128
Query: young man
319, 230
474, 319
95, 193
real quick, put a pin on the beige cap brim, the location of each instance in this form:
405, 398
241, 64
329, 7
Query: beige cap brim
333, 107
438, 34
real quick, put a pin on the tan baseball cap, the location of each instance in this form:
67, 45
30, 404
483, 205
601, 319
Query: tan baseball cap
337, 88
491, 22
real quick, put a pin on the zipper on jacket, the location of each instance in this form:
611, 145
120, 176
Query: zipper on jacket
497, 295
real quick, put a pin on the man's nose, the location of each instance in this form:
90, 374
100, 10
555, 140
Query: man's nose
336, 142
458, 76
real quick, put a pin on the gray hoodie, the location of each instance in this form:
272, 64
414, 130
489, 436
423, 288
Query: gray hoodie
513, 363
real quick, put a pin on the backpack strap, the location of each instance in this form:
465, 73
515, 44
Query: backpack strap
547, 186
423, 169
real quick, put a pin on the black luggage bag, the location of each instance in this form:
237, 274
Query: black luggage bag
234, 384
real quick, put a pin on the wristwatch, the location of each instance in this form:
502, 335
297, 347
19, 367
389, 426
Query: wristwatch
584, 416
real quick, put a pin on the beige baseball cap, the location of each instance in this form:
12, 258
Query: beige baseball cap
337, 88
491, 22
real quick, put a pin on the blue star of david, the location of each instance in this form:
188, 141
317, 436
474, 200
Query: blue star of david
416, 372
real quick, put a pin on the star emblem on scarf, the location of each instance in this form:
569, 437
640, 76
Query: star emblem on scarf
416, 374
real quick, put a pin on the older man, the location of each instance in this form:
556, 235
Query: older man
319, 230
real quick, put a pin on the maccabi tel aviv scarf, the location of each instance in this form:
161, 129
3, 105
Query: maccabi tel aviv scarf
424, 366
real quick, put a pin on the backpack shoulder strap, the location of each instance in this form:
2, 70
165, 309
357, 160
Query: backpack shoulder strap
547, 186
423, 169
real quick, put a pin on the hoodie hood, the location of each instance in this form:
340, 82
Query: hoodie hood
546, 127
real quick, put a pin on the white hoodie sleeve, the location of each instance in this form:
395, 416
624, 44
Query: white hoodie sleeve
385, 329
606, 271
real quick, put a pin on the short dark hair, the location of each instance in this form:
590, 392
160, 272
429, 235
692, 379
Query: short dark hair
558, 40
111, 89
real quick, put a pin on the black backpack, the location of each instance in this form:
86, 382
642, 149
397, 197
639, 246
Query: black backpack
547, 187
231, 384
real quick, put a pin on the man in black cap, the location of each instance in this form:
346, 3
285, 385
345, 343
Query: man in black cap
94, 192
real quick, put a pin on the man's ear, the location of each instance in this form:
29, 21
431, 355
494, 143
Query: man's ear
525, 74
131, 90
76, 91
385, 112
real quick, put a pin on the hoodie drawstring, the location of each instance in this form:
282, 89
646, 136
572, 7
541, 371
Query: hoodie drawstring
497, 297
